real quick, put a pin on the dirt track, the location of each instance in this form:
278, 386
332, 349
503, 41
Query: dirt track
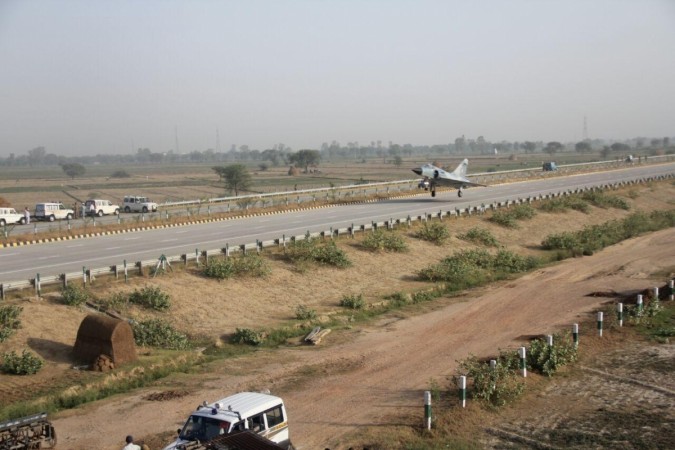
375, 376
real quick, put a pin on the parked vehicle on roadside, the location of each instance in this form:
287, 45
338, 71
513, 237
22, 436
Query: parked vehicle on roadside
550, 166
53, 211
100, 207
9, 216
262, 414
133, 203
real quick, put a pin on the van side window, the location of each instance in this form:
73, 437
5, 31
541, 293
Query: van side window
274, 416
238, 426
257, 423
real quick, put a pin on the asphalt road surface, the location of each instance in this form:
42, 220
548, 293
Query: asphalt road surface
23, 263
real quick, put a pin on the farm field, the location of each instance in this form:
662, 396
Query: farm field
362, 373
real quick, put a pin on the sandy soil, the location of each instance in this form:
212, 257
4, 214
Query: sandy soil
366, 376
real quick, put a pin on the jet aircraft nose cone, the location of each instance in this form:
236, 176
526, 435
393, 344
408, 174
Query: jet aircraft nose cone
418, 170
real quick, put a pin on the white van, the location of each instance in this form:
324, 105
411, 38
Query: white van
263, 414
100, 207
53, 211
10, 216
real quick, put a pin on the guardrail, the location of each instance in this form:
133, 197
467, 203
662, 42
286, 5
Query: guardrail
201, 257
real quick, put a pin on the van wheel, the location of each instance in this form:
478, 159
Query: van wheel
52, 218
127, 209
22, 221
117, 212
100, 213
69, 217
2, 222
145, 209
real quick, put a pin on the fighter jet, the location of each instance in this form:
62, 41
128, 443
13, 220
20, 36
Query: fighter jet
436, 176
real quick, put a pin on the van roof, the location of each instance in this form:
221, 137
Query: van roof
244, 403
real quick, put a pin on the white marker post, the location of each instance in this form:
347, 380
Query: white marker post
493, 369
656, 292
549, 340
462, 390
639, 303
600, 323
427, 409
523, 364
671, 288
575, 334
619, 312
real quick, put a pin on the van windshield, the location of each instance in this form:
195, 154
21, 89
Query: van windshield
203, 428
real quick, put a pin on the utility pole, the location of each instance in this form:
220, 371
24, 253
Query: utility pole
175, 129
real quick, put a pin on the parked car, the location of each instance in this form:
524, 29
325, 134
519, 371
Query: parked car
550, 166
9, 216
52, 211
100, 207
133, 203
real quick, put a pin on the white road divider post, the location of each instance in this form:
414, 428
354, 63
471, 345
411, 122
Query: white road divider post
549, 340
671, 288
462, 390
619, 313
600, 323
523, 362
427, 410
575, 334
639, 303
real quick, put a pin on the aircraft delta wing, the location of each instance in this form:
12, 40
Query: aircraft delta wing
435, 176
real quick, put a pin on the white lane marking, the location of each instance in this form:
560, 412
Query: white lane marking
112, 248
75, 246
48, 257
168, 240
132, 238
8, 254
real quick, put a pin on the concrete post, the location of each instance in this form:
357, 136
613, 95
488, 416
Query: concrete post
523, 363
619, 313
575, 334
600, 323
427, 410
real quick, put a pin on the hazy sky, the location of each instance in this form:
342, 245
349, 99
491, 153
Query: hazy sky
86, 77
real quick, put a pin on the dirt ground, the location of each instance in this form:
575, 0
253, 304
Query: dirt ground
364, 376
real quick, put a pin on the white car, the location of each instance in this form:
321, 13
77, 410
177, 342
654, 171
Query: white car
134, 203
9, 216
100, 207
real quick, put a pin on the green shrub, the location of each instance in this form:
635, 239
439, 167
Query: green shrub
322, 252
398, 298
116, 301
423, 296
302, 312
495, 387
508, 218
547, 359
74, 295
9, 321
251, 265
151, 297
24, 364
602, 200
435, 232
481, 236
247, 336
353, 301
159, 333
384, 240
219, 268
560, 204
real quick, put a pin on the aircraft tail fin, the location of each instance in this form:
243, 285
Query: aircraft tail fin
460, 171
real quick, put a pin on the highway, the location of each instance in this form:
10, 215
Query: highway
22, 263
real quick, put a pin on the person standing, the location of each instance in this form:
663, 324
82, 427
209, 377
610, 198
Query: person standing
130, 444
26, 215
92, 209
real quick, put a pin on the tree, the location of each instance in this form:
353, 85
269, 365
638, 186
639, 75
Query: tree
583, 147
73, 169
529, 146
620, 147
36, 156
398, 161
236, 178
553, 147
305, 158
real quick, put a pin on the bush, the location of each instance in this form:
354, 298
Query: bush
219, 268
601, 200
302, 312
495, 387
116, 301
312, 250
353, 301
547, 359
247, 336
398, 299
560, 204
159, 333
508, 218
152, 298
74, 295
24, 364
479, 235
435, 232
9, 321
252, 265
384, 240
120, 174
472, 267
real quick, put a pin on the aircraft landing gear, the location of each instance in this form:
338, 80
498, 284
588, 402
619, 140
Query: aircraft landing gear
433, 191
459, 192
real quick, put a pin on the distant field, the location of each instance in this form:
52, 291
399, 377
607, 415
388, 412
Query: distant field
26, 186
